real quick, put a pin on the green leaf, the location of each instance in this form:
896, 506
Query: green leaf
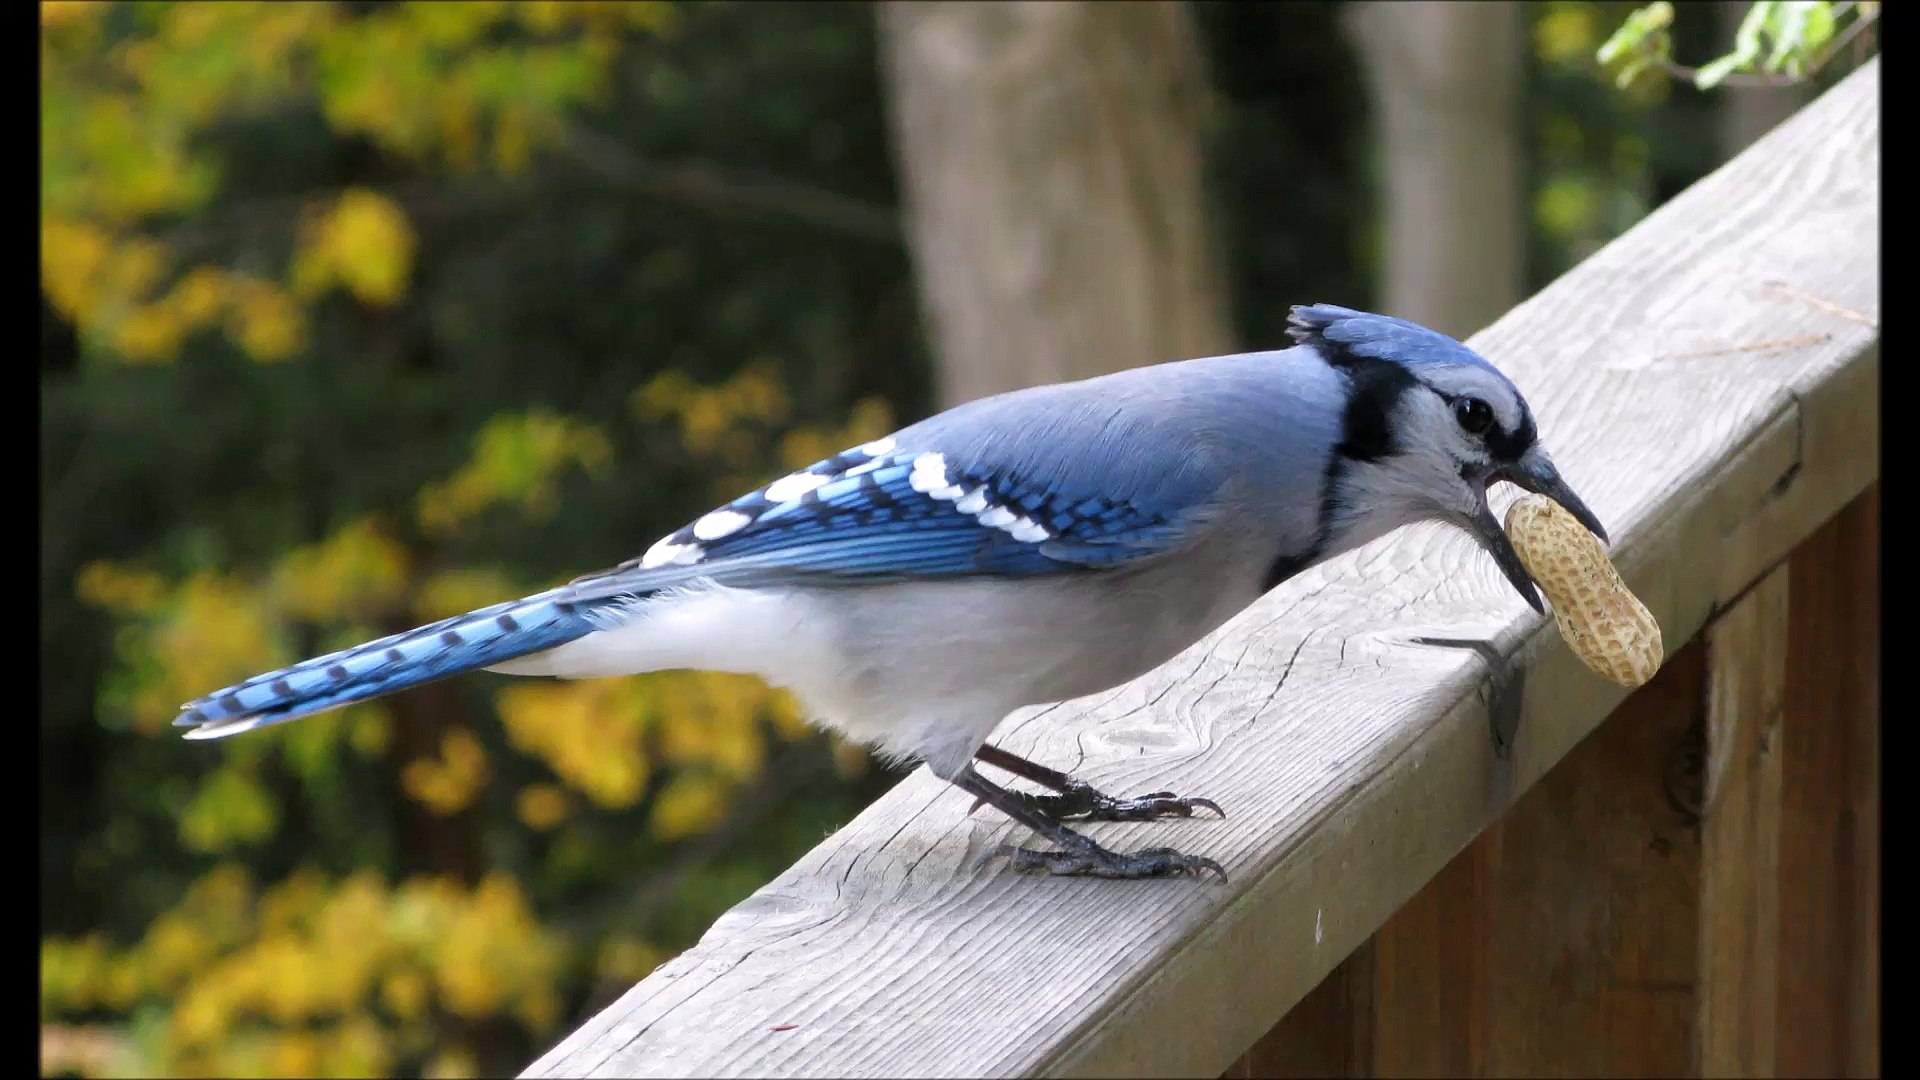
1624, 40
1633, 33
1800, 30
1747, 45
1784, 28
1820, 26
1746, 40
1711, 75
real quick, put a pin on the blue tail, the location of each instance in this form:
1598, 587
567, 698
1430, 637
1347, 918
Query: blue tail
491, 635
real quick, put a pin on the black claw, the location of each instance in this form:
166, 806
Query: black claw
1082, 801
1209, 804
1097, 861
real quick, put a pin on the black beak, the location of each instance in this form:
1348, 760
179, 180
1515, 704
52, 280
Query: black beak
1494, 538
1535, 473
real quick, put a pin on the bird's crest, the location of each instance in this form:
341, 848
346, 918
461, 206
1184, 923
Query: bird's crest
1344, 336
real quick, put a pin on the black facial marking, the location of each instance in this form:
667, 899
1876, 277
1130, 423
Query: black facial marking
1375, 388
1366, 428
1509, 445
1502, 444
1283, 568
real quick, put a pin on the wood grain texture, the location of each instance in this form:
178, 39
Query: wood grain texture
1355, 763
1829, 961
1562, 942
1329, 1033
1740, 834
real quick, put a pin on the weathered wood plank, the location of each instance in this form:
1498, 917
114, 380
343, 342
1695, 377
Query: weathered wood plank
1355, 762
1430, 992
1561, 942
1329, 1033
1740, 834
1829, 975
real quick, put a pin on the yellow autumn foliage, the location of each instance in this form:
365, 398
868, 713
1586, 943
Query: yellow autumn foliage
869, 419
690, 803
541, 806
230, 808
123, 120
624, 960
362, 242
589, 732
314, 977
713, 719
458, 590
319, 976
516, 459
446, 785
710, 417
357, 572
120, 588
184, 639
212, 630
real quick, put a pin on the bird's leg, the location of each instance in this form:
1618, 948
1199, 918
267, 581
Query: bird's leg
1078, 799
1077, 854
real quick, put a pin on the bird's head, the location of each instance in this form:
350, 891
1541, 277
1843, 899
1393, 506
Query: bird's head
1429, 425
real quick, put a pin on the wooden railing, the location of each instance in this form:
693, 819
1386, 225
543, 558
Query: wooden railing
1678, 882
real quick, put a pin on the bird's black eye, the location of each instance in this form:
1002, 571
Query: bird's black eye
1475, 416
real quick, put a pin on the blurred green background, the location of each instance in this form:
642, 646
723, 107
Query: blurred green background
360, 314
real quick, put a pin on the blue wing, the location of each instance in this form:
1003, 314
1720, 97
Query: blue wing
878, 512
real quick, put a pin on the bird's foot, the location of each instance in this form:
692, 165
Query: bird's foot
1092, 860
1081, 801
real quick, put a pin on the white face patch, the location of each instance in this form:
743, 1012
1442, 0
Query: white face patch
668, 553
789, 488
720, 523
1467, 381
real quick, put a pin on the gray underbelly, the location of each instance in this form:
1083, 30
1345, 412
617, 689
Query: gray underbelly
1036, 640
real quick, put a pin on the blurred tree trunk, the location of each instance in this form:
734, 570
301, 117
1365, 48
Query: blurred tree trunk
1748, 112
1051, 164
1445, 82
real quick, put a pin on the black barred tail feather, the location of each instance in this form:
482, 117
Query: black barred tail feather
491, 635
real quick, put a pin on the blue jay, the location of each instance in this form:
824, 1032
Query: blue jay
1029, 547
